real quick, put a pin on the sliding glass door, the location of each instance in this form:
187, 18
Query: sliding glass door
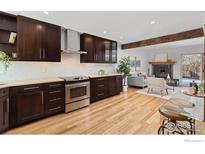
191, 68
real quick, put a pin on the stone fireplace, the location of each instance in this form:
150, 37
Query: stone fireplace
162, 69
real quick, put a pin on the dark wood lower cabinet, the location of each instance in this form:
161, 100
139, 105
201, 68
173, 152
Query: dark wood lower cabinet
4, 110
103, 87
30, 106
31, 102
55, 98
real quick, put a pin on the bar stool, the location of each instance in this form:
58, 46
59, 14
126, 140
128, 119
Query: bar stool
175, 120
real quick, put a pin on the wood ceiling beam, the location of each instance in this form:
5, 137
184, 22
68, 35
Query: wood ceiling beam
194, 33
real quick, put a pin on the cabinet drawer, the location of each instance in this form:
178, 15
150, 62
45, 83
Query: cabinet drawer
56, 85
57, 93
29, 88
56, 106
99, 82
4, 92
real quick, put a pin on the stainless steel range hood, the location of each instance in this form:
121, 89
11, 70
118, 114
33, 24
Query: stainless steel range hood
70, 42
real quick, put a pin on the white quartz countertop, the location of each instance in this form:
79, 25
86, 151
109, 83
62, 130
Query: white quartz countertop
43, 80
29, 82
104, 75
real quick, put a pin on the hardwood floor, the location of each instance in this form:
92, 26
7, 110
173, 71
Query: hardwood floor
127, 113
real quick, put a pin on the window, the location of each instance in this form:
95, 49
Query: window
192, 67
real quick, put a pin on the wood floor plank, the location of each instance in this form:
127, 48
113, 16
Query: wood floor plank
127, 113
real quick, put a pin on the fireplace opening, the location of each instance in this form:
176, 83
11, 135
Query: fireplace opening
162, 71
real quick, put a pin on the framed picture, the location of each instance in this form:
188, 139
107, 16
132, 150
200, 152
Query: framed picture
135, 64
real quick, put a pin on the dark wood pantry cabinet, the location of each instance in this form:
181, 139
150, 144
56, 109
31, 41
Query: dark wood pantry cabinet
37, 41
31, 102
4, 109
99, 50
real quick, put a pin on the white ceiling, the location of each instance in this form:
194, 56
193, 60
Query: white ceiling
132, 26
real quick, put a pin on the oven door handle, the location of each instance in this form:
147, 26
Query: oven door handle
76, 86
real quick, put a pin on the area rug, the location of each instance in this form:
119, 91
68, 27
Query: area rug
156, 93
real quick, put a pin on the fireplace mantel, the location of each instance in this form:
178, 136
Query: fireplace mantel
162, 62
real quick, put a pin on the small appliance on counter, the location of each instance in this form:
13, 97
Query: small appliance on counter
101, 72
77, 92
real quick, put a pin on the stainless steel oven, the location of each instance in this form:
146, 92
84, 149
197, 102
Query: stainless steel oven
77, 93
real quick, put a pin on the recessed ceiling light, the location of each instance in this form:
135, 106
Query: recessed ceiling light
104, 32
153, 22
121, 37
45, 12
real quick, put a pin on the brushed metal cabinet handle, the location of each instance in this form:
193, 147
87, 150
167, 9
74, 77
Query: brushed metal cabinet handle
101, 94
31, 88
100, 79
56, 99
4, 112
40, 54
53, 92
101, 85
7, 105
44, 53
54, 85
56, 108
42, 98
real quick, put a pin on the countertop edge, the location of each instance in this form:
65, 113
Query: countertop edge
101, 76
30, 82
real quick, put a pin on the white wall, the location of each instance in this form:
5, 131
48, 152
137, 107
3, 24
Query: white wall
147, 54
70, 64
175, 54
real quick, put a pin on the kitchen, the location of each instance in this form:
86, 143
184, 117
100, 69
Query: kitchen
32, 96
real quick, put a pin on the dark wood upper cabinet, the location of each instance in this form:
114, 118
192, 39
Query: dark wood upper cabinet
29, 45
8, 25
99, 50
113, 52
37, 41
51, 50
87, 43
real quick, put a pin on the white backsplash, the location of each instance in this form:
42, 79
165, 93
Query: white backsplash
69, 65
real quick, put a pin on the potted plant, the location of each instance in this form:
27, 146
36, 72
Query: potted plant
124, 69
4, 59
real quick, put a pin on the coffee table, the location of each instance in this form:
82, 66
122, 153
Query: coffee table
172, 83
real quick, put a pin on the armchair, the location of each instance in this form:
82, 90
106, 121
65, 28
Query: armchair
158, 84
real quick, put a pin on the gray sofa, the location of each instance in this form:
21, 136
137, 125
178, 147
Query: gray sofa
137, 80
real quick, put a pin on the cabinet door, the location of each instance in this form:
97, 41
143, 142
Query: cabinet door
4, 114
88, 45
1, 114
107, 51
112, 85
51, 43
99, 50
29, 44
29, 106
119, 83
113, 52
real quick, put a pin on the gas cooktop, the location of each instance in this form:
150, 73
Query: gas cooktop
79, 78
